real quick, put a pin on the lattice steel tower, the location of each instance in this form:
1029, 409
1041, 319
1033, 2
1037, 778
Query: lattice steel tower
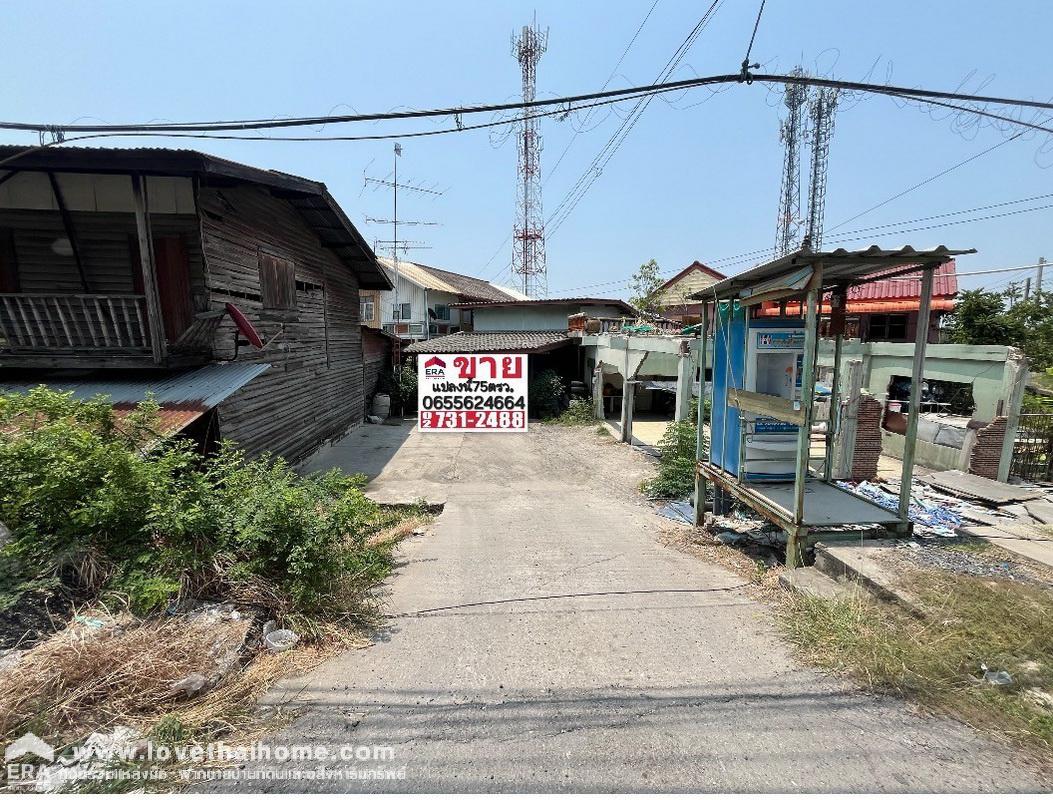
824, 107
528, 233
791, 134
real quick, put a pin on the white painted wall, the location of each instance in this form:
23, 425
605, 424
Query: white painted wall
536, 317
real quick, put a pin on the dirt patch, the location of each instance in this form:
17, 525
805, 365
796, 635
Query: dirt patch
601, 461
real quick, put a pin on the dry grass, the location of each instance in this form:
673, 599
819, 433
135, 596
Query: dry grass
935, 659
399, 531
86, 677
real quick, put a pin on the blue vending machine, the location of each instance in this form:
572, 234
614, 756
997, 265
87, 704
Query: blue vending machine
763, 355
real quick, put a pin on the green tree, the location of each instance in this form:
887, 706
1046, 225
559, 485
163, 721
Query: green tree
645, 288
982, 318
979, 318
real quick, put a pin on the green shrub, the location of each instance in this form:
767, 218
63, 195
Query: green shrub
580, 412
106, 506
676, 461
546, 392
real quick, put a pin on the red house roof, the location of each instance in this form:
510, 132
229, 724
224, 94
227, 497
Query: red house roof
899, 294
906, 287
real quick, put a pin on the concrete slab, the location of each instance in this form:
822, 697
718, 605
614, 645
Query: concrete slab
974, 487
810, 582
541, 639
864, 564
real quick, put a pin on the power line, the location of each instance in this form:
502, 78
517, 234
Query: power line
928, 95
595, 168
848, 237
746, 66
606, 83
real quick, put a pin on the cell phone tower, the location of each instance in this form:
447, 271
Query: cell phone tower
791, 133
528, 233
823, 111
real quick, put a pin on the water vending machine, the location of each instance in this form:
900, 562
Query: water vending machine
763, 355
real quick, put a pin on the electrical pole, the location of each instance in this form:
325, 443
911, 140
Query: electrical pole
1038, 280
528, 233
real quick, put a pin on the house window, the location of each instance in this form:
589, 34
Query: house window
367, 311
277, 282
442, 312
887, 327
401, 311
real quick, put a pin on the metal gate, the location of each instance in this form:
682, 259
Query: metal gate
1033, 448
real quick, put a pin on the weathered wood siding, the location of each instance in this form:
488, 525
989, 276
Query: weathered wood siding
376, 354
313, 390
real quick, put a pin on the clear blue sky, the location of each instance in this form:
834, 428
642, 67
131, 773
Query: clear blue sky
689, 183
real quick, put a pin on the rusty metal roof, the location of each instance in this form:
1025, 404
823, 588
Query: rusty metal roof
183, 396
492, 342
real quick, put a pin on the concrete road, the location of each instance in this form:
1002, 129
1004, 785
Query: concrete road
540, 639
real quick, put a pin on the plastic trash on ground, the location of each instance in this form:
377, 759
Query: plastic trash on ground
280, 640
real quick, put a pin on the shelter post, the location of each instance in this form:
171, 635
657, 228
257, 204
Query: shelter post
921, 339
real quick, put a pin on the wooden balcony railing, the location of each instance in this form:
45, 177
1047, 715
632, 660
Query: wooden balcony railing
64, 323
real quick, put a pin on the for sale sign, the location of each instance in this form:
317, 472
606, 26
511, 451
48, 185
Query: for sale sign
472, 392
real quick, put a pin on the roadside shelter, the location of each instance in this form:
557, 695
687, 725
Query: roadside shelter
802, 500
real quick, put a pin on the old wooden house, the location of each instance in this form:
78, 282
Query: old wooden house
123, 272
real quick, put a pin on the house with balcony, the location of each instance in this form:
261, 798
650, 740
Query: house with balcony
421, 304
227, 292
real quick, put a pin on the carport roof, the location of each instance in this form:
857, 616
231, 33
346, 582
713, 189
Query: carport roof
492, 342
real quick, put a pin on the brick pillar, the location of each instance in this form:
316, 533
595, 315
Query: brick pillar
987, 452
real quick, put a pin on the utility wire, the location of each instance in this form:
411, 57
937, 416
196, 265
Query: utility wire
847, 237
749, 49
659, 88
595, 169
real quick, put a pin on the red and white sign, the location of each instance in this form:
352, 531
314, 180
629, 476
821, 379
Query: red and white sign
472, 392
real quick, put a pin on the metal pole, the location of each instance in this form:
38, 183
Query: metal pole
916, 376
700, 481
833, 420
1038, 279
804, 432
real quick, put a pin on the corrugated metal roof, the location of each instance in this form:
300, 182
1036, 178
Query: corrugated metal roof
904, 287
492, 342
793, 308
553, 301
441, 280
200, 389
839, 266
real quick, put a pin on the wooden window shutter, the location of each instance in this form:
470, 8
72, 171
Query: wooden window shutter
277, 282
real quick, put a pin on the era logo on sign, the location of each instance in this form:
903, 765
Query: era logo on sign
434, 367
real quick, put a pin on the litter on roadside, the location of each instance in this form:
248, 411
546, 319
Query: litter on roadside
678, 511
996, 677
